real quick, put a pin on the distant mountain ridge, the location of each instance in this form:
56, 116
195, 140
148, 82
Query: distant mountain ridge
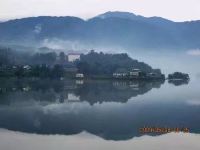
111, 29
132, 16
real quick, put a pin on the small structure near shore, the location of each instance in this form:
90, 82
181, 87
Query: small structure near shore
137, 74
120, 73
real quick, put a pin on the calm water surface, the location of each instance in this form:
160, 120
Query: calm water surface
109, 110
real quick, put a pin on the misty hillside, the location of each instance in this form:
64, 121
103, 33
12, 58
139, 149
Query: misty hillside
121, 29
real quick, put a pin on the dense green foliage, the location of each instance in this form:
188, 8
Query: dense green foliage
178, 75
11, 57
41, 71
50, 64
95, 63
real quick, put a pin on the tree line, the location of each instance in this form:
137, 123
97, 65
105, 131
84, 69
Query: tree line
51, 64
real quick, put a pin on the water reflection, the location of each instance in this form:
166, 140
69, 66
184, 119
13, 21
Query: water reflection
178, 82
14, 90
109, 109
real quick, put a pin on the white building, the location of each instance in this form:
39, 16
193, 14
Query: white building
120, 73
135, 73
73, 57
27, 67
116, 75
79, 75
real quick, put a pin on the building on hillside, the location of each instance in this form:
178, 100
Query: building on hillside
73, 57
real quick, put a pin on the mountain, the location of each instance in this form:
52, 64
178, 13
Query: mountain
132, 16
123, 15
112, 29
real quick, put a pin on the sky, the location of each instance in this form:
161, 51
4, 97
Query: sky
176, 10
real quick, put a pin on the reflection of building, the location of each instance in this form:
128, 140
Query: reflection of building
75, 91
120, 84
80, 82
79, 75
73, 98
73, 57
134, 86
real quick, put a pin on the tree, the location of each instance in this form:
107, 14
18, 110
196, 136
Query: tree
95, 63
178, 75
62, 57
20, 72
57, 71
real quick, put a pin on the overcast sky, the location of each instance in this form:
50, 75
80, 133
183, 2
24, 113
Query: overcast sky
177, 10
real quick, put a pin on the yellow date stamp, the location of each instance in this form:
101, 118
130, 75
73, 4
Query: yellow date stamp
163, 130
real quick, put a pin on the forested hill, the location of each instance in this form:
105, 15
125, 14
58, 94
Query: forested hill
100, 63
112, 29
92, 63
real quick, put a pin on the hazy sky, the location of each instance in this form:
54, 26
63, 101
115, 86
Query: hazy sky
178, 10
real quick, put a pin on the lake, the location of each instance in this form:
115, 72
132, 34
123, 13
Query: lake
98, 114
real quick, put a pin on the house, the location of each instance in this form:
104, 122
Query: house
120, 73
135, 73
73, 57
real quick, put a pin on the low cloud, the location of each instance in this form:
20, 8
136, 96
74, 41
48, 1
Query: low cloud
195, 52
38, 29
76, 45
194, 102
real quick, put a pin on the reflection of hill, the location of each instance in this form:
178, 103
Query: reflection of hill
115, 123
30, 98
44, 107
73, 91
178, 82
16, 90
116, 91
